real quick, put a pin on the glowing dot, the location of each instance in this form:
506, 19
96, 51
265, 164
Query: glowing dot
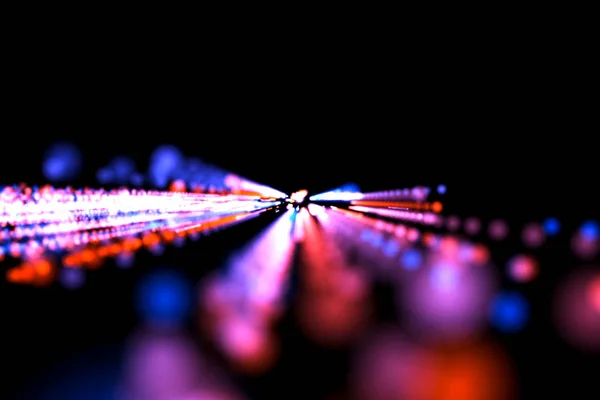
533, 235
164, 298
498, 229
436, 206
590, 230
551, 226
411, 259
510, 312
125, 259
472, 226
391, 248
453, 223
105, 175
523, 268
164, 164
122, 167
441, 189
72, 278
62, 162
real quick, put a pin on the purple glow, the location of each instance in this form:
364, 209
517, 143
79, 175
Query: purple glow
498, 229
447, 299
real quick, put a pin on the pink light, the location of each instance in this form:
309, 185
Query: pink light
594, 293
523, 268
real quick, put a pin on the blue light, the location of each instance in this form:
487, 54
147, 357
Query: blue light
164, 297
105, 175
411, 259
590, 230
510, 312
441, 189
72, 278
123, 167
391, 248
551, 226
349, 187
376, 239
62, 162
366, 235
164, 163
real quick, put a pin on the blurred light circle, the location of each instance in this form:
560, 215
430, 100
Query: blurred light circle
472, 225
411, 259
584, 245
551, 226
590, 230
165, 163
453, 223
510, 312
160, 366
62, 162
533, 235
163, 297
447, 300
72, 278
498, 229
523, 268
576, 315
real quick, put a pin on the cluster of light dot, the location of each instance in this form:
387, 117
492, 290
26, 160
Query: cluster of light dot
450, 287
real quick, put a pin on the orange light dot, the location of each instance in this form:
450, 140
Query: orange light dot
14, 275
436, 207
43, 268
168, 235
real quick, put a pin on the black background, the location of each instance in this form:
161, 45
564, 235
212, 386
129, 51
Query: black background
510, 136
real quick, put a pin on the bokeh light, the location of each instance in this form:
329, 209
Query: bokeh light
577, 318
164, 298
62, 162
523, 268
510, 312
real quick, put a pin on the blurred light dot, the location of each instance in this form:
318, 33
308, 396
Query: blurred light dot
472, 225
453, 223
411, 259
72, 278
165, 162
533, 235
551, 226
62, 162
584, 247
391, 248
498, 229
123, 167
125, 259
105, 175
441, 189
164, 298
590, 230
523, 268
510, 312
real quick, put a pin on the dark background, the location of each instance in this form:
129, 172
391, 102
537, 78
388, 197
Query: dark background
509, 138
